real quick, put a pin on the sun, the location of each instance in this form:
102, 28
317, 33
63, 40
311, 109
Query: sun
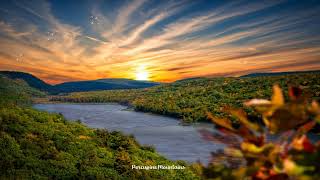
142, 74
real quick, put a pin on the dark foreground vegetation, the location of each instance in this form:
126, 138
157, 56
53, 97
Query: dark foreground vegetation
39, 145
189, 100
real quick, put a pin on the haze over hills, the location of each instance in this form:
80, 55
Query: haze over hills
77, 86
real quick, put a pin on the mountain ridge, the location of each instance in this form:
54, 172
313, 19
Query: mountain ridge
78, 86
111, 83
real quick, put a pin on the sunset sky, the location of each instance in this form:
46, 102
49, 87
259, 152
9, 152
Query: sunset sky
158, 40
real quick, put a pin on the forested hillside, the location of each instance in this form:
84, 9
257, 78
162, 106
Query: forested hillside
31, 80
16, 91
191, 99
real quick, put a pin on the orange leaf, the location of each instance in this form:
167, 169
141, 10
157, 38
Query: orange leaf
303, 143
226, 123
257, 102
315, 108
277, 97
242, 117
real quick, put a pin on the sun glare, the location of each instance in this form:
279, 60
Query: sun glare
142, 74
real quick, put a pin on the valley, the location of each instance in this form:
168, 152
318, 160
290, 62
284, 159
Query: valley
117, 137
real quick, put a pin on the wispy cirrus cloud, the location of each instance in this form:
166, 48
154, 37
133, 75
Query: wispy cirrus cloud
123, 17
171, 40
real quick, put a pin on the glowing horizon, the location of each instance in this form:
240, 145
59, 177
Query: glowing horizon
157, 40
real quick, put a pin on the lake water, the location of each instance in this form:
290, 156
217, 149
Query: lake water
170, 139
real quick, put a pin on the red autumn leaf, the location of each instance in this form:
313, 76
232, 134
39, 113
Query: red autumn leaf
308, 146
303, 144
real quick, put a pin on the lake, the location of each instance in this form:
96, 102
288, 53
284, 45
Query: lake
174, 141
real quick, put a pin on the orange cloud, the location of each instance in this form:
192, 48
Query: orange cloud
188, 46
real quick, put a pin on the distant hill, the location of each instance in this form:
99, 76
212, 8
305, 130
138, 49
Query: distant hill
16, 91
78, 86
190, 79
102, 84
278, 73
31, 80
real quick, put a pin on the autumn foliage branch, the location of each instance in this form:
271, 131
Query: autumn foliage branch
291, 155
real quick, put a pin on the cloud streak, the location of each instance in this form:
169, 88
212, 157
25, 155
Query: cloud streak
171, 40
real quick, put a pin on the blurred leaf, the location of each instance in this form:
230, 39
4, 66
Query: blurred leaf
292, 168
248, 135
233, 152
243, 119
251, 148
306, 127
315, 110
295, 93
286, 117
303, 144
290, 155
258, 102
277, 97
223, 122
230, 140
281, 176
